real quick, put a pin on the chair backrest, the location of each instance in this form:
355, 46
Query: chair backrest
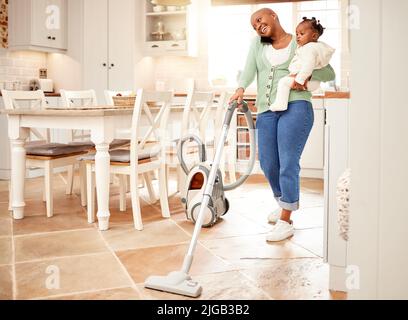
110, 93
27, 99
78, 98
199, 114
222, 106
84, 98
13, 99
155, 106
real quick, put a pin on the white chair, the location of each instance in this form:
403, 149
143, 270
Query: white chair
147, 153
84, 98
229, 154
44, 154
204, 115
196, 114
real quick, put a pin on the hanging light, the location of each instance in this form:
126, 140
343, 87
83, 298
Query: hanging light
171, 2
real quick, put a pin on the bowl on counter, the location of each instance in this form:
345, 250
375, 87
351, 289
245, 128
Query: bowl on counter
159, 8
172, 8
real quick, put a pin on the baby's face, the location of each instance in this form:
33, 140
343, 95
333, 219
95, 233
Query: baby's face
305, 34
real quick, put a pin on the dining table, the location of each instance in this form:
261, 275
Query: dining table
101, 121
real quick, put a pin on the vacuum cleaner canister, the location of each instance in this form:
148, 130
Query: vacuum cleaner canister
192, 195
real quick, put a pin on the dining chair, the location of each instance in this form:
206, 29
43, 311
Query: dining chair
147, 154
229, 154
84, 99
198, 118
41, 153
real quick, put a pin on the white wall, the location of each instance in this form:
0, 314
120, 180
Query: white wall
21, 65
379, 150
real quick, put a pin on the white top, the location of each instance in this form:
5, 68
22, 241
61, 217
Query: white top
277, 56
311, 56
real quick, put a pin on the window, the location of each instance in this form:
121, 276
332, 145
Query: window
231, 32
328, 12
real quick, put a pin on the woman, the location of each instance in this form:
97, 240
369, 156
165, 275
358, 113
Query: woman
282, 135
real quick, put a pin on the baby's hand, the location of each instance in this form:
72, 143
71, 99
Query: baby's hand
298, 86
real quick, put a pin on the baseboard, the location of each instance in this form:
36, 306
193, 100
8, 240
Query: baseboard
312, 173
337, 278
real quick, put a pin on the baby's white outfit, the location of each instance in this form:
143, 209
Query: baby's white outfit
311, 56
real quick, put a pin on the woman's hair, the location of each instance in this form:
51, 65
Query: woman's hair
315, 25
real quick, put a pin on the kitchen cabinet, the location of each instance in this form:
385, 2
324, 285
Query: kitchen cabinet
311, 162
109, 42
170, 31
38, 25
336, 162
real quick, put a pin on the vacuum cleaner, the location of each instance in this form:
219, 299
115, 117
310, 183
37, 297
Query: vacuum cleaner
204, 200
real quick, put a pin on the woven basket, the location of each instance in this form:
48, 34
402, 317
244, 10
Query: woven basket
123, 101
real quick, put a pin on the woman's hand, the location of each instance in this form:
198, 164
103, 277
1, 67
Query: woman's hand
238, 96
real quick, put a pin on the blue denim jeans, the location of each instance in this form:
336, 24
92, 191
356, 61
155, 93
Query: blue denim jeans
282, 136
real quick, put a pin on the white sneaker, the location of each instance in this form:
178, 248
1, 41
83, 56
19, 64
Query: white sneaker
275, 215
281, 231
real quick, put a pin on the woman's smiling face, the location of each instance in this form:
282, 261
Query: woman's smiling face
263, 22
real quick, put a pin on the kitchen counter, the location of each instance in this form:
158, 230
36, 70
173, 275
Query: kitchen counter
327, 95
48, 94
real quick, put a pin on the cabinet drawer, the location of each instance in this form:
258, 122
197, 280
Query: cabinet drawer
161, 47
176, 46
155, 46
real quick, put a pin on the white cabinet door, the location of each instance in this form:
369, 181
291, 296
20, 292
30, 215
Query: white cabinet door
121, 39
312, 157
336, 161
38, 25
49, 23
96, 46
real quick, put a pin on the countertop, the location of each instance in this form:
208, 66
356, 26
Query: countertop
47, 94
327, 95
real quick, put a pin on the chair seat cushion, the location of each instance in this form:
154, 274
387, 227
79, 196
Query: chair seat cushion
117, 143
54, 149
123, 156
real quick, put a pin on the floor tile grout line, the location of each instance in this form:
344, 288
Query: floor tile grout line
304, 248
122, 266
152, 247
78, 293
36, 234
62, 257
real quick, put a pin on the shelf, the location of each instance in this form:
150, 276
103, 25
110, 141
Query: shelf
165, 13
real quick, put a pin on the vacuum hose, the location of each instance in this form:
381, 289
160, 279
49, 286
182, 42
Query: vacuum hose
227, 121
252, 138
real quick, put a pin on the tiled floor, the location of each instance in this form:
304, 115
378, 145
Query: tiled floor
64, 257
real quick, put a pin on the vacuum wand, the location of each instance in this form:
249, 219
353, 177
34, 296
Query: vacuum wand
206, 197
180, 282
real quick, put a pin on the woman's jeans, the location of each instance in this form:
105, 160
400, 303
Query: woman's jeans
282, 136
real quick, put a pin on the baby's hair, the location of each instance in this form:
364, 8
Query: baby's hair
315, 24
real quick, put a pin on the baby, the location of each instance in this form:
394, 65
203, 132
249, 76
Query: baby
311, 54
